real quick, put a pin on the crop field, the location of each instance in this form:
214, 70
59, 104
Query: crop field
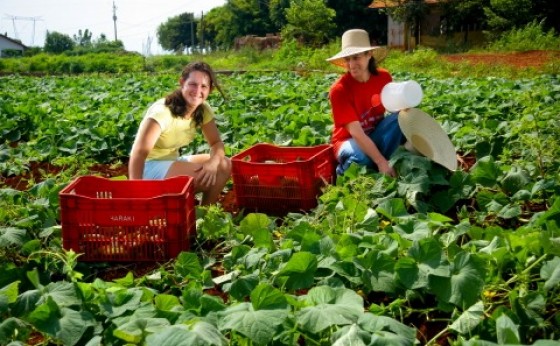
433, 257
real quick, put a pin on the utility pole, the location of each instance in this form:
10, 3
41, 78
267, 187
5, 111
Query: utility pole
202, 29
14, 18
192, 32
115, 19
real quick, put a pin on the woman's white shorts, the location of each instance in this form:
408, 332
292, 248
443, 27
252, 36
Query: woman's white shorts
157, 169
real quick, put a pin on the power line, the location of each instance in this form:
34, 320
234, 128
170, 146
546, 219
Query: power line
14, 18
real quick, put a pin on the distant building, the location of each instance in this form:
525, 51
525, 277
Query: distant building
432, 31
10, 47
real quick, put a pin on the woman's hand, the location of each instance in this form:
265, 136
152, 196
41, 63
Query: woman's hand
206, 174
386, 169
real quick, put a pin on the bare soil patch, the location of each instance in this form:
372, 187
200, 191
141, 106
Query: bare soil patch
533, 58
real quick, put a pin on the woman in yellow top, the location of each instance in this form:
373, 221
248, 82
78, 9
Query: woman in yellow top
171, 123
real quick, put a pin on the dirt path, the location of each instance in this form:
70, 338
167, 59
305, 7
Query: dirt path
533, 58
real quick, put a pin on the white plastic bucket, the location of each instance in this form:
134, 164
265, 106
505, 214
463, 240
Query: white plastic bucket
396, 96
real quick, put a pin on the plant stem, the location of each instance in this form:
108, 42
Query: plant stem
434, 339
514, 278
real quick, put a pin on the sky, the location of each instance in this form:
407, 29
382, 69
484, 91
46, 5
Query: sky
136, 25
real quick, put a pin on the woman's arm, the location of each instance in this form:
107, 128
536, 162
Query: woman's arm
148, 133
212, 136
208, 172
368, 146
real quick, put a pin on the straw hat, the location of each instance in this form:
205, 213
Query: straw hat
427, 137
357, 41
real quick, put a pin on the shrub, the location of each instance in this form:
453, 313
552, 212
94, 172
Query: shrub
530, 37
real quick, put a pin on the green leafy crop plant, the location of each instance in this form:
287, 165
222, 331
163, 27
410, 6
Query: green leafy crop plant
432, 257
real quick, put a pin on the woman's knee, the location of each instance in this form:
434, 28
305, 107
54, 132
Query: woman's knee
360, 158
225, 166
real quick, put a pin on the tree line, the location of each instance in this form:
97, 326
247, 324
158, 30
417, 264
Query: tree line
316, 22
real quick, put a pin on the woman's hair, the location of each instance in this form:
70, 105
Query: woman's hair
372, 66
176, 102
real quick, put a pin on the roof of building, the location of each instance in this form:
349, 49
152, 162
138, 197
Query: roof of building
13, 41
394, 3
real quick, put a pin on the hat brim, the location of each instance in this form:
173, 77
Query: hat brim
427, 137
379, 53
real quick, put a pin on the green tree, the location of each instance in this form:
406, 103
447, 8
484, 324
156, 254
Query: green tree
249, 17
356, 14
217, 28
57, 43
102, 44
503, 15
547, 11
178, 33
277, 10
83, 39
309, 22
459, 15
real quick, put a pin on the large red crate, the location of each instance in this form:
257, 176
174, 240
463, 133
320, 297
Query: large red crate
276, 180
128, 220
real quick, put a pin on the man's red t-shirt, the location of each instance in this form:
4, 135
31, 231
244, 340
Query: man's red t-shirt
356, 101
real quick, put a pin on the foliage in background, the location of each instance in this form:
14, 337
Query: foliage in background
293, 56
310, 22
503, 15
178, 33
357, 14
57, 43
530, 37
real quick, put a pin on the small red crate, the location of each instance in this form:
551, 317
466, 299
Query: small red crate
276, 180
128, 220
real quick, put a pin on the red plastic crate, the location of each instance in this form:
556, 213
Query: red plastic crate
277, 180
128, 220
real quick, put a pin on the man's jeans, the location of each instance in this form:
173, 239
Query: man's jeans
387, 135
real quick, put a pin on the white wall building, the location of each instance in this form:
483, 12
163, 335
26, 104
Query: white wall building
7, 43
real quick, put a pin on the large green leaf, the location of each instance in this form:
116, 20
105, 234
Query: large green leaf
428, 259
550, 271
381, 330
12, 326
330, 307
378, 271
188, 264
469, 319
350, 336
199, 334
8, 295
267, 297
120, 301
507, 330
408, 273
254, 222
135, 330
63, 293
464, 287
243, 285
64, 324
300, 270
486, 172
10, 236
515, 180
392, 208
259, 326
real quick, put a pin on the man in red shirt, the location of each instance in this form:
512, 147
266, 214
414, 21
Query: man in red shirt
362, 133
